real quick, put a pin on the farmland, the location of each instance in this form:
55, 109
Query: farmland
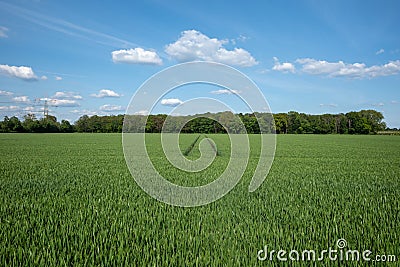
69, 199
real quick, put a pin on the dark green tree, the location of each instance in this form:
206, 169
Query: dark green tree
66, 127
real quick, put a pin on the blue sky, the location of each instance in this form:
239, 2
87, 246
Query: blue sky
89, 57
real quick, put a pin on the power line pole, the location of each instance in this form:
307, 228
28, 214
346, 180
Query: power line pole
46, 109
45, 106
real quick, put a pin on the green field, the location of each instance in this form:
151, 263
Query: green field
69, 199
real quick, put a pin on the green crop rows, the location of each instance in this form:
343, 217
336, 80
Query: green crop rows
69, 199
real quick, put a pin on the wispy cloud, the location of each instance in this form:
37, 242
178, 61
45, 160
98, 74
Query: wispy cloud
380, 104
380, 51
3, 32
58, 78
55, 74
66, 27
225, 92
242, 38
328, 105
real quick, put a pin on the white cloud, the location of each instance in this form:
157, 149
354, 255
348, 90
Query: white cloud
63, 103
284, 67
67, 95
44, 77
312, 66
142, 112
6, 93
23, 99
328, 105
9, 108
29, 108
21, 72
13, 107
84, 112
109, 107
225, 92
106, 93
60, 102
341, 69
394, 102
193, 45
136, 56
173, 102
3, 32
380, 51
58, 78
391, 68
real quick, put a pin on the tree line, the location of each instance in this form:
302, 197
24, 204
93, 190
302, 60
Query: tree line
355, 122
